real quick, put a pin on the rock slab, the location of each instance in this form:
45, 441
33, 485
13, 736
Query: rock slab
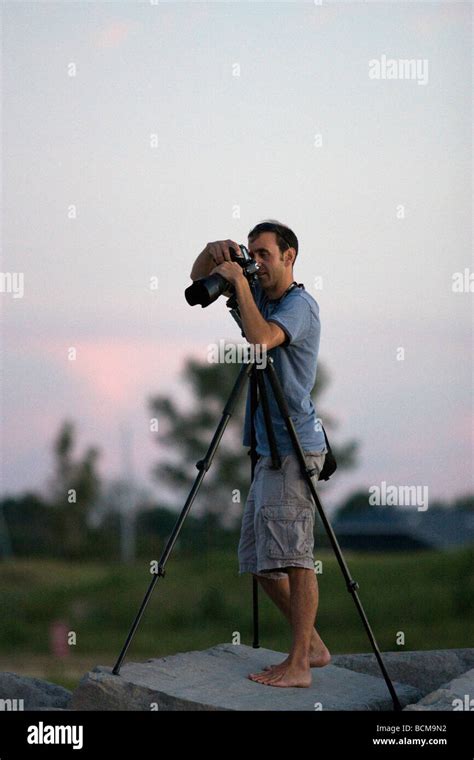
458, 694
26, 693
426, 670
216, 679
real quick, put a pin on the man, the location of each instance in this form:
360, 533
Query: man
276, 541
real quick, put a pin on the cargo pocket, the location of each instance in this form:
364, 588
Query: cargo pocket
289, 530
270, 488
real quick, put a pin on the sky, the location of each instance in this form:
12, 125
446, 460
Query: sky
134, 133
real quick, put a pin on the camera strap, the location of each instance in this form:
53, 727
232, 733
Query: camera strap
330, 464
290, 287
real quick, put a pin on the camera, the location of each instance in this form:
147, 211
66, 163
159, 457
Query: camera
207, 289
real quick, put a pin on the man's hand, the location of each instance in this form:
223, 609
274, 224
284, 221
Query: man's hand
213, 254
231, 271
220, 250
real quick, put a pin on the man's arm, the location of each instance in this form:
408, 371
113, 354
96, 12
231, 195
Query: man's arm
255, 326
212, 255
203, 265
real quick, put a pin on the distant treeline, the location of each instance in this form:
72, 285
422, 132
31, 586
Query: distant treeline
29, 526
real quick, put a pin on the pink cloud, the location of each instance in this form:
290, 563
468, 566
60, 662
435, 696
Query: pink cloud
118, 371
112, 35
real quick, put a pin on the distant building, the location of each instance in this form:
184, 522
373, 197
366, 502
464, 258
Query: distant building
398, 529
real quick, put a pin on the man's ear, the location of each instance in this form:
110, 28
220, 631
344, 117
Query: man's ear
292, 256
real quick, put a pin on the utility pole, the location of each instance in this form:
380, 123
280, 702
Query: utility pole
6, 551
127, 500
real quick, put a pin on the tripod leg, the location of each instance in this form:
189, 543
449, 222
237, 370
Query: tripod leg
257, 380
203, 466
255, 642
276, 461
352, 586
253, 452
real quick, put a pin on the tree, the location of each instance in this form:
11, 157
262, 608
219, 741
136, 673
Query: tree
74, 489
186, 433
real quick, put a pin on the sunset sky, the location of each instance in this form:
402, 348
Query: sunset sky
134, 133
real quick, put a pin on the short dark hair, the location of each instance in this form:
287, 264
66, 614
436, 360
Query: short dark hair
285, 237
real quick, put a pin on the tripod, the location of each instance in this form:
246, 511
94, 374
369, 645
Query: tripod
250, 371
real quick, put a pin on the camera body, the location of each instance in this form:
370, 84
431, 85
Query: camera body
207, 289
249, 266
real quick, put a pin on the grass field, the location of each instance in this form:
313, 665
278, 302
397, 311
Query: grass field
202, 601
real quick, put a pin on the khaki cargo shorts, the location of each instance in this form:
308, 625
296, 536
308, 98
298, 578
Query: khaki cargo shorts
278, 519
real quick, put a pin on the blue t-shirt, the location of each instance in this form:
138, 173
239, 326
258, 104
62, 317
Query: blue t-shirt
295, 363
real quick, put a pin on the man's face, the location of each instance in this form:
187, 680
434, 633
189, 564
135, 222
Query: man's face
265, 252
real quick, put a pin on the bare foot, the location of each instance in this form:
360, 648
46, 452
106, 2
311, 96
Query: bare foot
290, 675
317, 659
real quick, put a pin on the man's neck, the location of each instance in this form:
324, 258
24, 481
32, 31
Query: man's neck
277, 291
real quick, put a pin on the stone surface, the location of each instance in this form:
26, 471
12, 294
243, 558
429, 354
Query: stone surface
426, 670
35, 693
216, 679
455, 695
